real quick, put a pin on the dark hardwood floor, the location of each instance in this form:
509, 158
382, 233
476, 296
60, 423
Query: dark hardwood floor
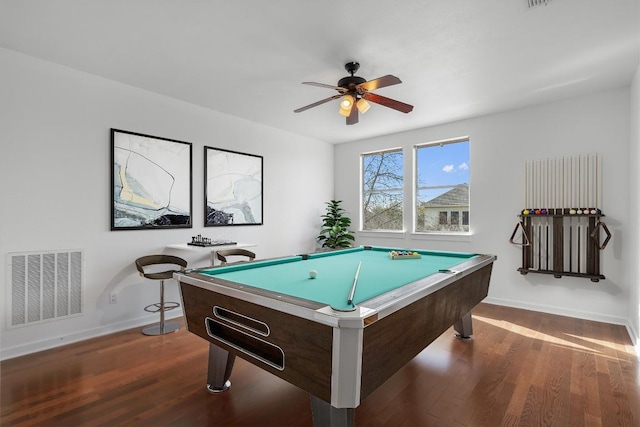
522, 368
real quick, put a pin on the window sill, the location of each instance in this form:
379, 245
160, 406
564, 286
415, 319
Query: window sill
382, 233
443, 237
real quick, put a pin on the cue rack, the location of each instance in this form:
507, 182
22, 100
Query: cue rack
562, 239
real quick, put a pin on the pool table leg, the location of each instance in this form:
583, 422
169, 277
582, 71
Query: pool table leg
325, 415
220, 367
464, 327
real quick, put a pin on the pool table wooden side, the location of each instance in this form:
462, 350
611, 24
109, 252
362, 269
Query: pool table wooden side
306, 344
391, 342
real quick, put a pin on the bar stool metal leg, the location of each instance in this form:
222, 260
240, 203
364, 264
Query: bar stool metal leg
162, 327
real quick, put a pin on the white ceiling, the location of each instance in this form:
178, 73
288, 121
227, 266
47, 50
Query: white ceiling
456, 58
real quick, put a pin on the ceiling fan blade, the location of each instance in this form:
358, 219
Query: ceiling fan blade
388, 102
352, 119
315, 104
383, 81
338, 88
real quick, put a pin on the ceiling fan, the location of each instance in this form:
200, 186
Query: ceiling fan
356, 91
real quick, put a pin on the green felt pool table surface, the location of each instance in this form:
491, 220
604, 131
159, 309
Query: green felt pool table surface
336, 270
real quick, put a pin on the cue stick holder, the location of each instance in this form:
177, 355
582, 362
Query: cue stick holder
561, 240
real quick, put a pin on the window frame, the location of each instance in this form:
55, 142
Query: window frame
415, 191
401, 191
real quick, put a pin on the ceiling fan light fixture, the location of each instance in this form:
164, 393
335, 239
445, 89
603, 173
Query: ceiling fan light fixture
363, 105
346, 103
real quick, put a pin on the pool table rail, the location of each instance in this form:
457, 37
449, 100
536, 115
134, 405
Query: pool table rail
366, 312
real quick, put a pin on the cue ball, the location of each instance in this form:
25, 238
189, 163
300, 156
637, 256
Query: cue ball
313, 274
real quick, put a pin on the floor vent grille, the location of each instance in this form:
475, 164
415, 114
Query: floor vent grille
44, 286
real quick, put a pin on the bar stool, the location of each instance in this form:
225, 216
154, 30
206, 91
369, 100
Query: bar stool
224, 254
149, 262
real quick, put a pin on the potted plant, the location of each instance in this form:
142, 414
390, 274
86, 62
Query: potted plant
334, 233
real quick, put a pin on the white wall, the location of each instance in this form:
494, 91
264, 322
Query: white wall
55, 181
634, 206
500, 145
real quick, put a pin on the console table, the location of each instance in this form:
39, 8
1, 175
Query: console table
211, 250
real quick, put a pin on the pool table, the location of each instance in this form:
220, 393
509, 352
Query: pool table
273, 314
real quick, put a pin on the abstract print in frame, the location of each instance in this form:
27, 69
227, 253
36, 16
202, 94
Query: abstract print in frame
150, 182
232, 187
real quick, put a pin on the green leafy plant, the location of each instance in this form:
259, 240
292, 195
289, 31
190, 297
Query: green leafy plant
335, 233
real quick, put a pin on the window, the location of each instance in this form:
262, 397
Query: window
382, 190
455, 218
443, 218
442, 186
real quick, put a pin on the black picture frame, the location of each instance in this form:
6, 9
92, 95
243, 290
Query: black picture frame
233, 188
151, 182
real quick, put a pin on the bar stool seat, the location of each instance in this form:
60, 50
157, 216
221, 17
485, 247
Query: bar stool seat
148, 267
225, 255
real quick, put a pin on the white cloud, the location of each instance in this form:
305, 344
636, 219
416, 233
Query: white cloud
448, 168
463, 166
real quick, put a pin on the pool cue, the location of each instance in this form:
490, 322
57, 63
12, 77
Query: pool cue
554, 182
539, 211
562, 203
353, 286
579, 210
570, 215
595, 205
526, 185
525, 182
546, 220
532, 181
587, 185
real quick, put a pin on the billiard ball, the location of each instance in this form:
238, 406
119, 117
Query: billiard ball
313, 274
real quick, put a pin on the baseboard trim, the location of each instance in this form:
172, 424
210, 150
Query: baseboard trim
61, 340
585, 315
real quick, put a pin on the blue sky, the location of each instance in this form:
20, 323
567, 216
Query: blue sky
443, 165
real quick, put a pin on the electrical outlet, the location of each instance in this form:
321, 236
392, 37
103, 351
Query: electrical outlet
113, 298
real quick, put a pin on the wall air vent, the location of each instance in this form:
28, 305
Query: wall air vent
44, 286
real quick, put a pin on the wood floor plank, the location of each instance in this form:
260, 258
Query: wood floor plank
521, 368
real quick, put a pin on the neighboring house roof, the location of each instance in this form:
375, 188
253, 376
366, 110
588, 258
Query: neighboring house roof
458, 196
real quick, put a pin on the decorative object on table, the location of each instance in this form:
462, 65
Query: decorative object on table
233, 188
355, 92
335, 233
207, 241
150, 182
404, 255
555, 192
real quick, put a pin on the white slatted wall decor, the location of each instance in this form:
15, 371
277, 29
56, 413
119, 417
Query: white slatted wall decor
44, 286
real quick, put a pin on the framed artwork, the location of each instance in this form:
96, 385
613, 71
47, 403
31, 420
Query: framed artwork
150, 182
232, 188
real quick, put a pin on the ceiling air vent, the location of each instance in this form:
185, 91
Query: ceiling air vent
533, 3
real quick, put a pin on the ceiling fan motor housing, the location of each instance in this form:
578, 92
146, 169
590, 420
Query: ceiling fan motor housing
350, 82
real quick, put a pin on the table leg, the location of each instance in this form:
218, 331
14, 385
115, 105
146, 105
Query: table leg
220, 367
464, 327
325, 415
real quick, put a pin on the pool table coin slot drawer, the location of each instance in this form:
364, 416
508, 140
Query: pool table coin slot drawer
258, 349
242, 321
